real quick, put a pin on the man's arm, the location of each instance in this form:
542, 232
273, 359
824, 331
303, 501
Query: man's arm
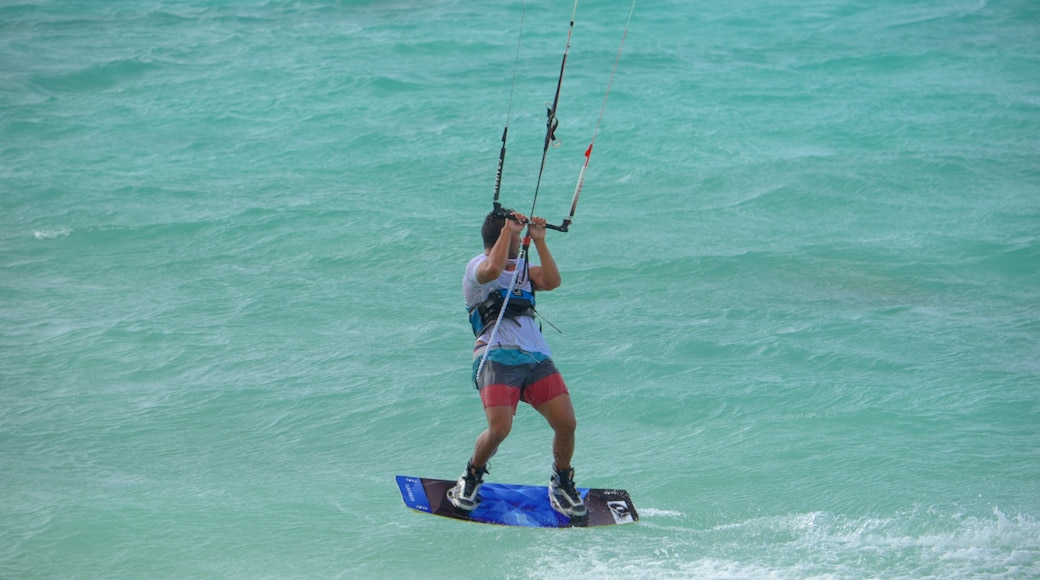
498, 256
547, 275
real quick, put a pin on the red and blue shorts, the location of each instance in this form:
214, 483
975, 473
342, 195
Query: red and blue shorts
511, 375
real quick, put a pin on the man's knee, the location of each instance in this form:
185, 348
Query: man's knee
499, 425
498, 432
566, 426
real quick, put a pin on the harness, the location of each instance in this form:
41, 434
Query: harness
483, 315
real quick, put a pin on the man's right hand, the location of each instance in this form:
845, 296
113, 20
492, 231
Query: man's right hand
515, 225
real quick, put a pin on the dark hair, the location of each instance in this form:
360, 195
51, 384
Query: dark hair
493, 226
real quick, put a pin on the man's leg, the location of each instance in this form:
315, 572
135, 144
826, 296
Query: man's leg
465, 494
563, 495
500, 422
559, 412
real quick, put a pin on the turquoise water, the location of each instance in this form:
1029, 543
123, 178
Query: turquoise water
800, 314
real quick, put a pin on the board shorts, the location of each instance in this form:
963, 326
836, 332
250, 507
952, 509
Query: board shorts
511, 375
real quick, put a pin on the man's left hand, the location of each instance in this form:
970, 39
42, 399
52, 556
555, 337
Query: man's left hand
536, 228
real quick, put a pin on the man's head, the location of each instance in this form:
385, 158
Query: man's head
493, 226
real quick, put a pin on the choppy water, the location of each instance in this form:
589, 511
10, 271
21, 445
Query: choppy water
800, 311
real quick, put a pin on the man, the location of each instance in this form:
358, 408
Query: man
519, 365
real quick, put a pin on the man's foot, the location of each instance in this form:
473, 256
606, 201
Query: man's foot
465, 494
563, 496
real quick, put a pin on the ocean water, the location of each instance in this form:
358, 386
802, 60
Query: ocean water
800, 314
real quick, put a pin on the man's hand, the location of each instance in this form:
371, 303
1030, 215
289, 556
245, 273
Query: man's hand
515, 225
536, 228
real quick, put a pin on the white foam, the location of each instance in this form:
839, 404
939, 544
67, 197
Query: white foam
918, 542
51, 234
656, 513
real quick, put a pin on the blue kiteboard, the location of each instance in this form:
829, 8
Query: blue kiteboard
517, 505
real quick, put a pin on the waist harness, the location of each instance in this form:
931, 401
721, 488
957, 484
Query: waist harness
483, 315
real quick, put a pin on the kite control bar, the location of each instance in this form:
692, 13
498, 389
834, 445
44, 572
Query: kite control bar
563, 227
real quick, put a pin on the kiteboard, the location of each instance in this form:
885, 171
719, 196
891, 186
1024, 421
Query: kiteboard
517, 505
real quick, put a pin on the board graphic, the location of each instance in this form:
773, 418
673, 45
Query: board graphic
517, 505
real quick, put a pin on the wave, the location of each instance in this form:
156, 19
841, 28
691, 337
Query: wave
921, 542
95, 77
